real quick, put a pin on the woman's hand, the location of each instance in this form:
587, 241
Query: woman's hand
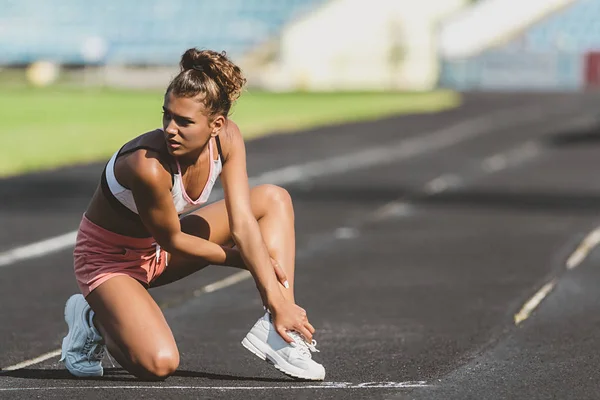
234, 259
288, 316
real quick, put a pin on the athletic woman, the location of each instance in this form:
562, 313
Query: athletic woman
133, 236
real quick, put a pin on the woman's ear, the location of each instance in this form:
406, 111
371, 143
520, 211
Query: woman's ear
216, 125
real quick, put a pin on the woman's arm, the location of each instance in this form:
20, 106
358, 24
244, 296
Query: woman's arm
246, 234
150, 184
243, 225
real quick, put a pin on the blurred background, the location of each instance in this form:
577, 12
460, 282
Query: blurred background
91, 74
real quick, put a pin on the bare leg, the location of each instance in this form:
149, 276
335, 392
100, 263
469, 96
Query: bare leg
273, 209
124, 321
134, 329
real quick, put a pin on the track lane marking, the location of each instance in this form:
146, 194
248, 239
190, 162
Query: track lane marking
585, 247
210, 288
36, 360
534, 301
38, 249
574, 260
325, 385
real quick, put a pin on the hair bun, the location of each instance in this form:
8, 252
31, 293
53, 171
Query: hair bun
220, 80
194, 59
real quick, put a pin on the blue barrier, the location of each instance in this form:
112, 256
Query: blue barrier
550, 55
505, 70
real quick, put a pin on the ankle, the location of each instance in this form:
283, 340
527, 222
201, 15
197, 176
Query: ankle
94, 325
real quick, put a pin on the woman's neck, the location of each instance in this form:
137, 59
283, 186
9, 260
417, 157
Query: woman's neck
193, 159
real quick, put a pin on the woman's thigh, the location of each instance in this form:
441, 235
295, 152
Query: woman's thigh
136, 325
212, 223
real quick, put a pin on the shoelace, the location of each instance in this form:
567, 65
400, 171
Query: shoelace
302, 345
94, 350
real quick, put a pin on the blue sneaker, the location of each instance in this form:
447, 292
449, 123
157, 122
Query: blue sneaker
82, 348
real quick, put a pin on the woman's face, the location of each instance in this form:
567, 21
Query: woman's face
186, 126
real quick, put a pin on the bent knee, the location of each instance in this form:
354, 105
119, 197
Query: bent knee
160, 365
274, 194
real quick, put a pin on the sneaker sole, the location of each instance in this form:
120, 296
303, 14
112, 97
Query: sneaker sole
66, 340
254, 345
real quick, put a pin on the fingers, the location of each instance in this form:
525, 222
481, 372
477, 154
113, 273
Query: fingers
305, 328
301, 329
280, 273
293, 318
281, 276
282, 332
310, 328
306, 333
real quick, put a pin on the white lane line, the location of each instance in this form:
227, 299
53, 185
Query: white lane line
393, 209
402, 149
494, 163
531, 305
524, 152
442, 183
346, 232
582, 251
511, 158
38, 249
325, 385
27, 363
223, 283
449, 181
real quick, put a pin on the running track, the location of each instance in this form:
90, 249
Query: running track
421, 240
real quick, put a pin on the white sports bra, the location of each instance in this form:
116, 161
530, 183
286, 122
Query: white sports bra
183, 203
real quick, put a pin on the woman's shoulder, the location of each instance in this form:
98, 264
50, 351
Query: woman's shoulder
232, 129
151, 140
144, 158
232, 135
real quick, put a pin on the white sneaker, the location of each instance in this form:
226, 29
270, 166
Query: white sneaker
293, 359
82, 348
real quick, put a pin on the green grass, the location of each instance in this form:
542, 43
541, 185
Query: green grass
47, 128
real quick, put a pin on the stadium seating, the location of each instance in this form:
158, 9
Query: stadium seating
137, 32
549, 55
573, 29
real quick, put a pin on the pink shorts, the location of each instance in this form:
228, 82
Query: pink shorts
101, 254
